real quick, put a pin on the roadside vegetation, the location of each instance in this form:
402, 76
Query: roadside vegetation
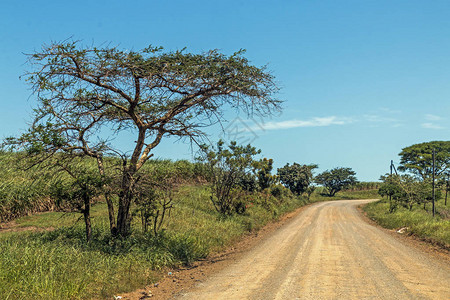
59, 264
416, 221
407, 203
107, 219
54, 260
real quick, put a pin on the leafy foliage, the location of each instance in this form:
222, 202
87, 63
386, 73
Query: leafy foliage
263, 172
24, 191
336, 179
296, 177
405, 190
83, 91
154, 201
418, 160
227, 165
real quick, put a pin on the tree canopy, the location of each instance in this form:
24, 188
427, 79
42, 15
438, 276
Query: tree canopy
88, 95
228, 164
418, 158
336, 179
296, 177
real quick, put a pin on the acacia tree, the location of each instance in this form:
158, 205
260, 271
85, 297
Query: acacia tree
336, 179
418, 159
88, 92
296, 177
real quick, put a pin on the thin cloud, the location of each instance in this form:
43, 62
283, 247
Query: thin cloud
379, 119
431, 117
389, 110
314, 122
431, 126
376, 120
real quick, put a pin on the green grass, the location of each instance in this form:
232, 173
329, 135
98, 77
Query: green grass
26, 191
418, 221
32, 267
59, 264
345, 195
56, 219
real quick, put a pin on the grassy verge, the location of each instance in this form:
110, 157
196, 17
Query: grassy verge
58, 264
345, 195
417, 222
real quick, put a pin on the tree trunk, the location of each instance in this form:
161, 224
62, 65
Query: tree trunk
87, 217
446, 192
123, 214
112, 220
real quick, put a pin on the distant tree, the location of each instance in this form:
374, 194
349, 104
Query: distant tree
418, 159
263, 171
227, 166
446, 184
391, 189
84, 93
336, 179
296, 177
414, 191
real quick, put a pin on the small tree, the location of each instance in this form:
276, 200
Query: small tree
391, 188
447, 185
443, 185
84, 93
263, 172
296, 177
336, 179
227, 167
414, 191
153, 202
75, 191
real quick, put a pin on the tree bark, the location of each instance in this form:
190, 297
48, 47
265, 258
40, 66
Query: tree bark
446, 192
112, 220
123, 214
87, 217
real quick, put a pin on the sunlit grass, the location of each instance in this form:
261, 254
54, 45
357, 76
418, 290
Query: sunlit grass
59, 264
319, 195
418, 221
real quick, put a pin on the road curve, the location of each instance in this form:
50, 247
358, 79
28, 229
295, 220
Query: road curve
329, 252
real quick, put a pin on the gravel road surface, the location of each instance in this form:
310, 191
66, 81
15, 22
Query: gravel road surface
329, 252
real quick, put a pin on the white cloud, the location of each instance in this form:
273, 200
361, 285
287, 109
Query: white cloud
431, 126
431, 117
314, 122
389, 110
379, 119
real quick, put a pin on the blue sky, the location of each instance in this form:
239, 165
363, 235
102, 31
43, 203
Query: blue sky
360, 79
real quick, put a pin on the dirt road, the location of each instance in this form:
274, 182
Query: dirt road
329, 252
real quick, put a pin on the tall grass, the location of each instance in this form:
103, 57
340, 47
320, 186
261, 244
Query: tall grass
21, 191
33, 267
26, 191
417, 222
59, 264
